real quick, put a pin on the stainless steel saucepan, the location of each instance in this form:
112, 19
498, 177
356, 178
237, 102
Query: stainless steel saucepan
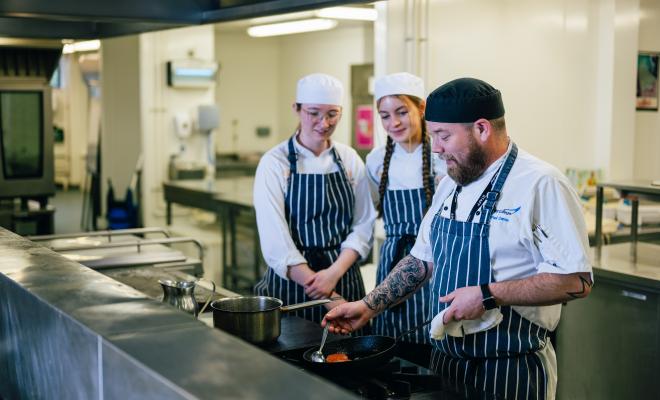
254, 318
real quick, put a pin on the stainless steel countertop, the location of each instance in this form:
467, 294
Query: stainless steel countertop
205, 363
234, 190
616, 262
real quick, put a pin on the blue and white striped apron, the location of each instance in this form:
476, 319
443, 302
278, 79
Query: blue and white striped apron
403, 211
501, 360
319, 211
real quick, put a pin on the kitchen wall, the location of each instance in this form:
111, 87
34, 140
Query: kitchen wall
159, 103
647, 123
565, 68
257, 81
247, 91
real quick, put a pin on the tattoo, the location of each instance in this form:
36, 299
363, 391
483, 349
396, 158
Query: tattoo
585, 284
405, 278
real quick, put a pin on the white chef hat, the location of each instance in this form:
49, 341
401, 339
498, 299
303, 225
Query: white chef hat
319, 89
399, 83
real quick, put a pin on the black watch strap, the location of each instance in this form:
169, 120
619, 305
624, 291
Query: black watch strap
488, 300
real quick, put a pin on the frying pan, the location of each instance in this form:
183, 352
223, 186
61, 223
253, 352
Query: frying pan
364, 352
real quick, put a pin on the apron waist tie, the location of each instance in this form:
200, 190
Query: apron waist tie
317, 257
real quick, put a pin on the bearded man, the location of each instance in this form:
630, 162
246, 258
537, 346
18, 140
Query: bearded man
504, 244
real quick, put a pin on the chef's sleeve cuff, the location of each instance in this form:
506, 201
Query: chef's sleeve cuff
421, 255
555, 268
361, 249
281, 268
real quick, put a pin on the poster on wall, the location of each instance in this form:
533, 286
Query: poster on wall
647, 81
364, 126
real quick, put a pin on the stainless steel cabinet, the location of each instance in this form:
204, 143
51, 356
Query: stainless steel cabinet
608, 345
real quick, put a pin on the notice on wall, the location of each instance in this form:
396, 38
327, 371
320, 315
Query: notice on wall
364, 126
647, 81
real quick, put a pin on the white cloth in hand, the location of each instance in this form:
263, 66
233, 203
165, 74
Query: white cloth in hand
439, 330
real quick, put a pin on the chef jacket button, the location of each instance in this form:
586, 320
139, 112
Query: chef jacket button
445, 208
478, 212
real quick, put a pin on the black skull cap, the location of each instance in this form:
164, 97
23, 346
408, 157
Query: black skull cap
464, 100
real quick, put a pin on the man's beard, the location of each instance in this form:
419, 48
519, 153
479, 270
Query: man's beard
472, 168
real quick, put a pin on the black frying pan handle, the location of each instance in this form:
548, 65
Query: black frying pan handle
416, 328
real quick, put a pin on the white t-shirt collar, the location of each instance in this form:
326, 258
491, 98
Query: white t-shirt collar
304, 151
402, 150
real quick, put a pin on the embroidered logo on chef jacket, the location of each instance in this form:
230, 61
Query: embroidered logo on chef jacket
501, 215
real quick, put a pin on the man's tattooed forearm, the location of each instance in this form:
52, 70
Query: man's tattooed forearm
580, 294
408, 275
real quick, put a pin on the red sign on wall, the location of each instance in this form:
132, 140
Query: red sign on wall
364, 127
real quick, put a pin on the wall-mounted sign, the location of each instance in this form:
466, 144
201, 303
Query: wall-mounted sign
364, 126
647, 81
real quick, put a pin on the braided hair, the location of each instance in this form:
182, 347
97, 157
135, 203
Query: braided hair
389, 149
427, 179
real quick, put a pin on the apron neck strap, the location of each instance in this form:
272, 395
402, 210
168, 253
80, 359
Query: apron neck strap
493, 195
293, 158
339, 162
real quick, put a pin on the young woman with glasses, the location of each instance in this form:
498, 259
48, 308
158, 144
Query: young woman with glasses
314, 210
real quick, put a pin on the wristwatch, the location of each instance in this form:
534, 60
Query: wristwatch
488, 299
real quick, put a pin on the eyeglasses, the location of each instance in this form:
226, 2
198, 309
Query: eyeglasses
332, 116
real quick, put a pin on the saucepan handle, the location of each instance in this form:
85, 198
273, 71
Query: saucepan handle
299, 306
206, 304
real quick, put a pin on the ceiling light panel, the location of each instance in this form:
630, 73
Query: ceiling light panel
291, 27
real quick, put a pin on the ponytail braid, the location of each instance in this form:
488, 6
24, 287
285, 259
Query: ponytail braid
389, 149
429, 184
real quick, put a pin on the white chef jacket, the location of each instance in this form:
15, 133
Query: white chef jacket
405, 169
270, 188
536, 197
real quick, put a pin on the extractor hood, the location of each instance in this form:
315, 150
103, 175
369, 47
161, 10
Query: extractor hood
92, 19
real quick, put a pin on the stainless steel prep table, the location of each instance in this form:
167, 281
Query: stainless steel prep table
231, 200
107, 250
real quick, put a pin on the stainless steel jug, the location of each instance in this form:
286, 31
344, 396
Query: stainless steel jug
180, 294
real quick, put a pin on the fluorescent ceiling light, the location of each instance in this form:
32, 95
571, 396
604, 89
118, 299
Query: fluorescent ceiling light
271, 19
287, 28
89, 45
356, 13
